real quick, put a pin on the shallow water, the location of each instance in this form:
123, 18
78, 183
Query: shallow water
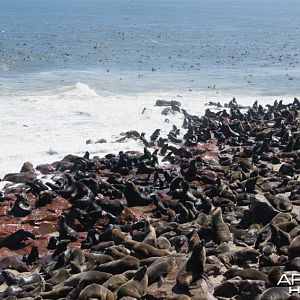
77, 70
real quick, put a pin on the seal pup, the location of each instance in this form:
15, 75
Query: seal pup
193, 269
44, 198
146, 232
65, 231
135, 287
21, 207
32, 256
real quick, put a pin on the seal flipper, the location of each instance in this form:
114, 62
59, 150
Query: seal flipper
160, 281
9, 278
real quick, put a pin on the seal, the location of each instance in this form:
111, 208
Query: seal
21, 207
219, 227
115, 253
60, 276
114, 282
87, 278
120, 265
65, 231
239, 256
57, 293
134, 197
275, 293
32, 256
45, 197
247, 273
274, 275
294, 248
193, 269
146, 232
144, 250
15, 240
278, 237
98, 259
77, 257
96, 291
160, 268
135, 287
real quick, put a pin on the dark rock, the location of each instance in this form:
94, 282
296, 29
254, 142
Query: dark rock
286, 169
27, 167
46, 168
20, 177
101, 141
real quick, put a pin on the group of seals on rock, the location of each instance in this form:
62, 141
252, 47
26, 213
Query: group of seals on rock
218, 220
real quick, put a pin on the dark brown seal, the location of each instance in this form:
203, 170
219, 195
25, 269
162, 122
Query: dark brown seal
193, 269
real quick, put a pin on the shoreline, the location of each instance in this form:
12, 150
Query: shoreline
80, 114
214, 185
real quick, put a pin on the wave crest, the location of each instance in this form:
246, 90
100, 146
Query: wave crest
78, 89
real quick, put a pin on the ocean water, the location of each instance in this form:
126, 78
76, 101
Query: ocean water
73, 70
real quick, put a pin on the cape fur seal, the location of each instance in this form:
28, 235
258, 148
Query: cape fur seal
135, 287
219, 227
193, 269
96, 291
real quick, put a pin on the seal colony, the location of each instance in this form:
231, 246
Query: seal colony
209, 212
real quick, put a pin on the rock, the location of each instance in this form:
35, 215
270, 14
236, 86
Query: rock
101, 141
167, 103
46, 169
27, 167
261, 210
20, 177
167, 111
88, 142
66, 163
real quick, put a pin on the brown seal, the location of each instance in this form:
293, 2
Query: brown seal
275, 293
135, 287
294, 248
193, 269
60, 276
96, 291
120, 265
247, 273
57, 293
87, 277
160, 268
219, 227
239, 256
144, 250
114, 282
